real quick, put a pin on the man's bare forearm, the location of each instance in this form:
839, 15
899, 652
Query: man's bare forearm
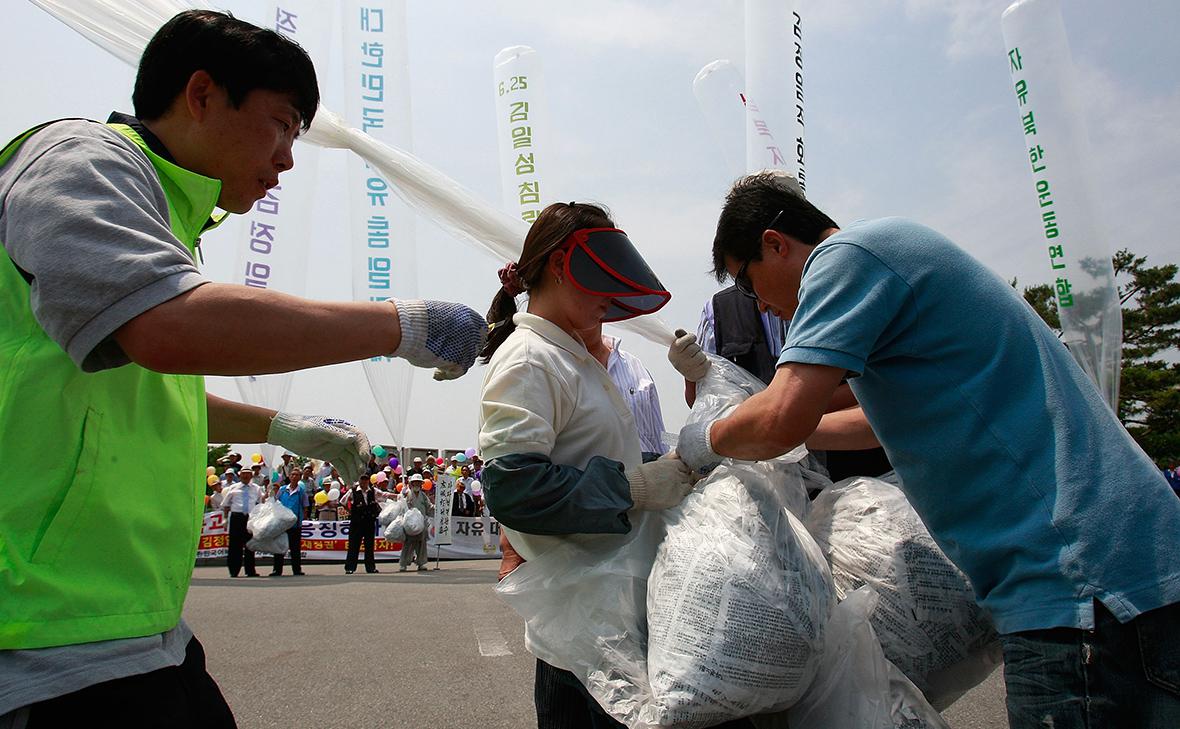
236, 422
846, 430
214, 330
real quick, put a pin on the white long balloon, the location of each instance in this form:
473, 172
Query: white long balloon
274, 241
774, 87
522, 132
1057, 148
123, 27
718, 88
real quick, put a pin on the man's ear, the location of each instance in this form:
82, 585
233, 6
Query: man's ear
199, 93
774, 242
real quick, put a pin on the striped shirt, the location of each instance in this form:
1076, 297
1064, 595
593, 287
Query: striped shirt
772, 327
639, 391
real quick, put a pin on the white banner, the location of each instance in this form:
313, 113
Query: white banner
520, 125
774, 87
718, 90
472, 538
1057, 145
377, 92
444, 493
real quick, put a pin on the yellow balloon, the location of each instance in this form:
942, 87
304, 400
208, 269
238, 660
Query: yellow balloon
257, 458
211, 479
321, 498
373, 478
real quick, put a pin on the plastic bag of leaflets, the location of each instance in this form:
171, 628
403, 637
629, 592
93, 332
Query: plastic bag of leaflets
414, 522
706, 612
927, 619
395, 531
856, 685
268, 525
393, 508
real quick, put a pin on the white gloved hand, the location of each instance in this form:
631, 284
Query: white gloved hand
686, 356
440, 334
660, 484
329, 439
695, 447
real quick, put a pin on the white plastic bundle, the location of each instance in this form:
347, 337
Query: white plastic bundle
857, 687
927, 619
270, 519
276, 544
395, 531
393, 509
737, 602
414, 522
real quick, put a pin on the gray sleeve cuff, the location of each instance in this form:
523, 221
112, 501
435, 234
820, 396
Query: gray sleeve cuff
93, 347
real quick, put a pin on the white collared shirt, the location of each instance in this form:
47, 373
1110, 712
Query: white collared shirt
544, 393
241, 499
638, 388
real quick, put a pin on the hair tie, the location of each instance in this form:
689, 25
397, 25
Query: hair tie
510, 279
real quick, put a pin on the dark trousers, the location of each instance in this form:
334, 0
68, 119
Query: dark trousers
361, 530
295, 544
238, 536
564, 703
178, 696
1117, 675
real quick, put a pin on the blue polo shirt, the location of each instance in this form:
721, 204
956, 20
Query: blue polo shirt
1023, 475
295, 501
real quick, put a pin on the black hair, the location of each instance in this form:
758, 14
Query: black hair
238, 56
549, 231
751, 206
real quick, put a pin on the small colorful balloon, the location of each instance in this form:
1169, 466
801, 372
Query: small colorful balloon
210, 470
256, 457
470, 453
427, 485
321, 498
211, 479
373, 478
379, 451
334, 494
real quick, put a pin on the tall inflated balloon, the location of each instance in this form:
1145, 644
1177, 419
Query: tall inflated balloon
377, 93
774, 87
1068, 227
273, 245
521, 131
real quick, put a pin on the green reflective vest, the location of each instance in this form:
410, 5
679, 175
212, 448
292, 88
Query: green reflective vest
101, 504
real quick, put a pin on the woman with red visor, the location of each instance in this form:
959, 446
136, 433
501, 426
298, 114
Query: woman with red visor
560, 443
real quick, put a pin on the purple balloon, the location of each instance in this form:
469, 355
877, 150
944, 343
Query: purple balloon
469, 452
393, 462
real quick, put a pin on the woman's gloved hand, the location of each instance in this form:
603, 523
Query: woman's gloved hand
661, 483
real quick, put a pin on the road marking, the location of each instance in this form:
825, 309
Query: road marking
491, 642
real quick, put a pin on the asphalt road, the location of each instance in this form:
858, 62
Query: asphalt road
433, 649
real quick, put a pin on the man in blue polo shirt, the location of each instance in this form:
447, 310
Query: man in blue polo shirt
1007, 451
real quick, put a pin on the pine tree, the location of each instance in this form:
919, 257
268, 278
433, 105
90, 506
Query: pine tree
1149, 389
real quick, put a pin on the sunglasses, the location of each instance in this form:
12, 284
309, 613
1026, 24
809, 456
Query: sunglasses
742, 281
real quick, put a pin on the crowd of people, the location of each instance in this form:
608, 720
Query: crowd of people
315, 490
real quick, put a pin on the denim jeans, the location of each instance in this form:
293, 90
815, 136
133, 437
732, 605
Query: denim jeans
1117, 675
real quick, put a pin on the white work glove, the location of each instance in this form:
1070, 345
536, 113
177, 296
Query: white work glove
440, 334
696, 449
660, 484
686, 356
329, 439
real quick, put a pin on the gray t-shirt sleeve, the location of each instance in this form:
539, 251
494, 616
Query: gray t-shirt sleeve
84, 215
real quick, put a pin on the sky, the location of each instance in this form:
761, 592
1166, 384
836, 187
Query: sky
910, 112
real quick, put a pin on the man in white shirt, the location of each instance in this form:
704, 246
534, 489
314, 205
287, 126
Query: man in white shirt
237, 502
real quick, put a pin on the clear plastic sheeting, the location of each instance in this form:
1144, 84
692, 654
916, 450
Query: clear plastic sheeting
123, 27
737, 601
395, 530
927, 619
857, 687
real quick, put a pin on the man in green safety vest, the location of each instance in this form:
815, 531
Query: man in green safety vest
106, 328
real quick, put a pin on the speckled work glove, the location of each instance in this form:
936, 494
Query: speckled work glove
440, 334
329, 439
660, 484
